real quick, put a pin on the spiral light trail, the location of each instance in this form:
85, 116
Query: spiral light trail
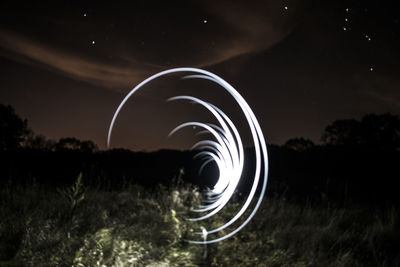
225, 149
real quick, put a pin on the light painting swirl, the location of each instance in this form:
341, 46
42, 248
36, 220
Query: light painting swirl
225, 149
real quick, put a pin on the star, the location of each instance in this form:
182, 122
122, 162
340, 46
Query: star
84, 14
286, 7
371, 69
205, 21
344, 28
93, 42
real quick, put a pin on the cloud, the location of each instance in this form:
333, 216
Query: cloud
386, 99
237, 30
77, 67
258, 25
381, 88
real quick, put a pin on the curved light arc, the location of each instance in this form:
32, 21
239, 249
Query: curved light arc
226, 151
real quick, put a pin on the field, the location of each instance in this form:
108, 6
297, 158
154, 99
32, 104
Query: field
82, 226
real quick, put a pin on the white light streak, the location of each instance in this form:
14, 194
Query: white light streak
225, 149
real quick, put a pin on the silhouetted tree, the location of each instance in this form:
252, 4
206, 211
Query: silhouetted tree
343, 132
299, 144
13, 129
88, 146
379, 131
68, 143
39, 142
72, 143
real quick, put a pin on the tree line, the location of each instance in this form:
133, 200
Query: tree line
16, 134
355, 160
372, 130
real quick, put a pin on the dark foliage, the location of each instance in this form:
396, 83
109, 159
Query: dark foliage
358, 162
376, 131
13, 129
71, 143
299, 144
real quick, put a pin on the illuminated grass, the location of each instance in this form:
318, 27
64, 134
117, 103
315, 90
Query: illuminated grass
135, 227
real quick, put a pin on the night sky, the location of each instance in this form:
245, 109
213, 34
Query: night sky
66, 65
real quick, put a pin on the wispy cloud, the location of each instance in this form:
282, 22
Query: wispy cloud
258, 26
26, 50
250, 29
382, 88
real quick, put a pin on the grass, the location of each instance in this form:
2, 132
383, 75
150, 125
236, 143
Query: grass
78, 226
